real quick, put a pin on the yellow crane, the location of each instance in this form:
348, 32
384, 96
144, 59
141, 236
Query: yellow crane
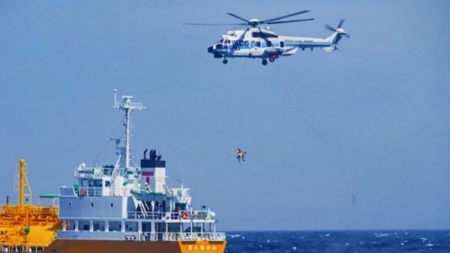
27, 227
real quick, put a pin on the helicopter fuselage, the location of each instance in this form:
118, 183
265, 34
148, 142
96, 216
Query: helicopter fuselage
265, 44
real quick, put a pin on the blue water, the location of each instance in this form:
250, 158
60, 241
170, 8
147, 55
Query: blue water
339, 241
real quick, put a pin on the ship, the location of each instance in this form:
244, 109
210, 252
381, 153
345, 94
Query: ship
126, 208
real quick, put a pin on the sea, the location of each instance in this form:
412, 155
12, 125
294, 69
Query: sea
338, 241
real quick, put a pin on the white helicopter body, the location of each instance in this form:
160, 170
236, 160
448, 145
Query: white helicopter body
257, 42
265, 44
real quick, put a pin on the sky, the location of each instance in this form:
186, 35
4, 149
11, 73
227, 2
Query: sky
353, 139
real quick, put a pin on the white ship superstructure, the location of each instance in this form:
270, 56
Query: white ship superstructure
122, 202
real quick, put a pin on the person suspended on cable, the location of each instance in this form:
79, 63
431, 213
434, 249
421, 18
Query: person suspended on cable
241, 154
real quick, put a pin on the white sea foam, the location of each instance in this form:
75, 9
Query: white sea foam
294, 248
423, 239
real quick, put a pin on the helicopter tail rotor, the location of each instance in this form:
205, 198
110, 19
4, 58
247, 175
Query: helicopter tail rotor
339, 30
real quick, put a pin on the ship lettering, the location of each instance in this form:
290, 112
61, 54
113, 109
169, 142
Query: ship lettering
130, 237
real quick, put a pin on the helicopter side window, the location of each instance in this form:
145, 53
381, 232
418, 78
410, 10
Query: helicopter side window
246, 43
281, 43
263, 35
258, 44
253, 44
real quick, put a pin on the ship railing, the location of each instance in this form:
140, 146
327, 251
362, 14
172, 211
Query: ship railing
82, 191
216, 236
181, 215
21, 247
12, 211
194, 236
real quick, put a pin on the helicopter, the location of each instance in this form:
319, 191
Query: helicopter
257, 42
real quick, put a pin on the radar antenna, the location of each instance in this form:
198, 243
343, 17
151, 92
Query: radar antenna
127, 106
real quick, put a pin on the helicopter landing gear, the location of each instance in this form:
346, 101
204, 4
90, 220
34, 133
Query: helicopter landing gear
225, 61
271, 59
264, 62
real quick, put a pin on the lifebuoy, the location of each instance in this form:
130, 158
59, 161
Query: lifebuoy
83, 192
184, 215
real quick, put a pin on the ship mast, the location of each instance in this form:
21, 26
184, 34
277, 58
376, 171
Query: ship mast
23, 184
127, 106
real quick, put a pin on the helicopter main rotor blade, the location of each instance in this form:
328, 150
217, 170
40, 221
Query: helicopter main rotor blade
212, 24
285, 16
330, 28
289, 21
341, 22
236, 16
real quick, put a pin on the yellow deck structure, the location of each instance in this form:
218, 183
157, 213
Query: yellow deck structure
26, 227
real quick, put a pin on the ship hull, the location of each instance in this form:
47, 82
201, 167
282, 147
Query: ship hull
106, 246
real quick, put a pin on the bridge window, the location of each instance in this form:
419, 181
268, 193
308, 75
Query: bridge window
84, 183
131, 226
114, 226
146, 227
99, 226
83, 225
